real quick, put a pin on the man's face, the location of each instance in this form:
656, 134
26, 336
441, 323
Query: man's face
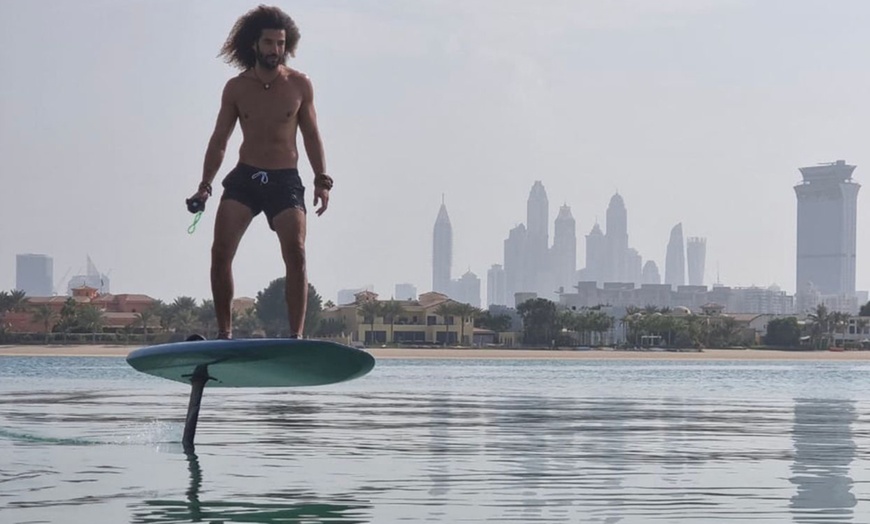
270, 48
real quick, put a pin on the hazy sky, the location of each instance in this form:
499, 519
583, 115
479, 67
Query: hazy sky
696, 111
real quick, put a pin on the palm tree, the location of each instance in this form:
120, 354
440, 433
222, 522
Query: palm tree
446, 310
45, 315
465, 312
90, 318
821, 320
144, 317
370, 310
391, 310
17, 300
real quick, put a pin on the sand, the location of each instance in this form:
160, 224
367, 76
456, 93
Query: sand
515, 354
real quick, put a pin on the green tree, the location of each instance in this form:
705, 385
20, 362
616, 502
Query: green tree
465, 312
45, 315
497, 323
540, 321
391, 311
370, 310
784, 332
271, 308
820, 327
865, 310
446, 310
89, 319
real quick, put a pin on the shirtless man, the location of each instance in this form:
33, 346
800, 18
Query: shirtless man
270, 101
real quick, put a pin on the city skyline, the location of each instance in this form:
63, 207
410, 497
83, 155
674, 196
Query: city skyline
661, 102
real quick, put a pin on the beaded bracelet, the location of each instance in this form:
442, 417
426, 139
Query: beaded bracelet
205, 186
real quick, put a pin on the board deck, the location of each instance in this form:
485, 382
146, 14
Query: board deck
271, 362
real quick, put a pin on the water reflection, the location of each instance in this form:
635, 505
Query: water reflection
824, 450
285, 507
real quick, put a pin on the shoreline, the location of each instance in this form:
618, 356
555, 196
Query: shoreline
491, 354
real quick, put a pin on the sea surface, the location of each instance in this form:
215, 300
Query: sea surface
91, 440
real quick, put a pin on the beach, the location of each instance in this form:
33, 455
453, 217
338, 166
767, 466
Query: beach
495, 354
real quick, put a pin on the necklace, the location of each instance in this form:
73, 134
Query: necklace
266, 85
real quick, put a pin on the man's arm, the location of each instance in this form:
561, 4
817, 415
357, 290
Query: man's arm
217, 144
314, 146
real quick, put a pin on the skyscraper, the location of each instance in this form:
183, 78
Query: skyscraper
495, 286
515, 263
827, 204
442, 251
616, 238
675, 259
34, 275
537, 239
651, 273
564, 252
596, 255
696, 255
406, 292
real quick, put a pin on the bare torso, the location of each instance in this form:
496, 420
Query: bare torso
269, 117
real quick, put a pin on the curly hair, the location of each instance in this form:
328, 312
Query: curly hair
238, 50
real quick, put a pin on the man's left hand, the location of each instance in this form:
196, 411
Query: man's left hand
321, 195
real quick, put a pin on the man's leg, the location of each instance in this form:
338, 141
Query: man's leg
290, 226
232, 219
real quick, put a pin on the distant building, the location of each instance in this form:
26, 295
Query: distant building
564, 251
348, 296
515, 262
406, 292
827, 202
696, 255
651, 273
92, 278
466, 289
675, 260
495, 286
442, 252
34, 275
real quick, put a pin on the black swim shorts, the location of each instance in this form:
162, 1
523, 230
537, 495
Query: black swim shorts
267, 190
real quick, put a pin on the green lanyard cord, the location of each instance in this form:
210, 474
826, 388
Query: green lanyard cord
192, 227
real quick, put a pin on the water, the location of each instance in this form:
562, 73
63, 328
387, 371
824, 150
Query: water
91, 440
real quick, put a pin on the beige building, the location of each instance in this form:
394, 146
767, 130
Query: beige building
431, 319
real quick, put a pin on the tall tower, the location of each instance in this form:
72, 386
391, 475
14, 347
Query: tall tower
651, 273
675, 259
34, 275
515, 263
565, 249
696, 255
538, 239
596, 255
495, 286
442, 251
617, 240
827, 204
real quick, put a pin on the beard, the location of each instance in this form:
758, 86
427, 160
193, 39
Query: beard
268, 62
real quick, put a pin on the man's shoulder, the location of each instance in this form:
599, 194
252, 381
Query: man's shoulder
294, 75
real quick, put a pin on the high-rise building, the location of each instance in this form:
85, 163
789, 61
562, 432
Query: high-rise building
406, 292
616, 238
696, 255
515, 262
827, 204
675, 259
466, 289
596, 255
495, 286
34, 275
564, 252
537, 239
442, 252
651, 273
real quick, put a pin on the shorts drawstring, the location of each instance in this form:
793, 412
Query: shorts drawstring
264, 176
